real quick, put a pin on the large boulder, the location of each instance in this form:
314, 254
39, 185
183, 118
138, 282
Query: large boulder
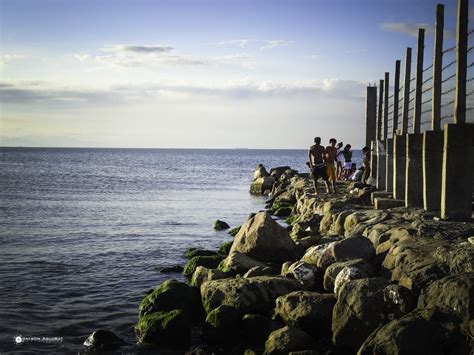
334, 269
259, 172
365, 304
356, 247
346, 275
203, 274
249, 295
308, 311
260, 185
453, 294
288, 339
264, 239
317, 255
207, 261
239, 263
171, 329
170, 295
419, 332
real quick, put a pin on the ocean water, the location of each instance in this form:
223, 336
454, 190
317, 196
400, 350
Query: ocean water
84, 232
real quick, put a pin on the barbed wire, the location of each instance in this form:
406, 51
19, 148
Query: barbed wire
426, 90
390, 97
426, 101
448, 78
469, 80
411, 100
469, 108
424, 82
428, 68
470, 65
471, 31
448, 103
470, 93
470, 49
448, 91
446, 117
412, 79
412, 91
425, 111
389, 113
450, 49
411, 109
401, 88
448, 65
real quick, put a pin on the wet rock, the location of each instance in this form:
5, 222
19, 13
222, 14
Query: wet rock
220, 225
192, 252
261, 271
308, 311
260, 185
239, 263
334, 269
364, 305
203, 274
170, 295
260, 172
171, 329
286, 340
103, 340
256, 328
264, 239
225, 247
172, 269
210, 262
249, 295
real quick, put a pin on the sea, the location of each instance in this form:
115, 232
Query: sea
85, 232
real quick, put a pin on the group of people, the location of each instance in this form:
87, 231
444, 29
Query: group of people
326, 163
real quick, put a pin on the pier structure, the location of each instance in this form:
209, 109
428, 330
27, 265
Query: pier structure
422, 133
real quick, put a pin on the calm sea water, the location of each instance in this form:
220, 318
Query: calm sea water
84, 232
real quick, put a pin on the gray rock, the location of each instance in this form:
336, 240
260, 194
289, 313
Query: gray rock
239, 263
251, 295
261, 271
308, 311
220, 225
307, 274
364, 305
286, 340
334, 269
203, 274
346, 275
103, 340
264, 239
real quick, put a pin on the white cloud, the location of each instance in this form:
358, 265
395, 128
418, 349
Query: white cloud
159, 55
412, 28
7, 58
263, 44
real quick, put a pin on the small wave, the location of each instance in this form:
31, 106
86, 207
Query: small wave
175, 223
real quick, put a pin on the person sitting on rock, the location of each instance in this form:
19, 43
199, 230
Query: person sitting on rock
317, 164
331, 157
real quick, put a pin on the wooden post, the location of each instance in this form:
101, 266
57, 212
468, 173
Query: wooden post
461, 61
379, 116
396, 97
385, 107
419, 80
406, 91
437, 69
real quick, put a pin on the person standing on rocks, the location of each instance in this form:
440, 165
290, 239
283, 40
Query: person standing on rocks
366, 164
317, 164
331, 157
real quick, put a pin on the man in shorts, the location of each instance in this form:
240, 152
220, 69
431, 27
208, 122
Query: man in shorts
317, 164
331, 157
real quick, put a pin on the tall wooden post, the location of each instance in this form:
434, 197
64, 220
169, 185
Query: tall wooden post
419, 80
385, 107
370, 115
437, 69
396, 97
380, 111
406, 91
461, 61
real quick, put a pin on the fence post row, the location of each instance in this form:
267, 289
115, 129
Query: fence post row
433, 169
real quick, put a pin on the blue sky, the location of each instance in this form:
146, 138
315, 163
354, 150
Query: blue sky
217, 74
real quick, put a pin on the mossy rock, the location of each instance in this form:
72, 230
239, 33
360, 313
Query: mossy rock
281, 209
171, 329
210, 262
192, 252
224, 249
220, 225
170, 295
233, 232
291, 219
224, 317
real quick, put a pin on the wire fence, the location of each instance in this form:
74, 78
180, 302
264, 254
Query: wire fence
448, 90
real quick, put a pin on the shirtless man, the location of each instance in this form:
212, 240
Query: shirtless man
331, 157
317, 164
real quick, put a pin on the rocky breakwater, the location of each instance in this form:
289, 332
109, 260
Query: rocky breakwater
342, 278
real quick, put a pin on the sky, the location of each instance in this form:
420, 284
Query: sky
199, 73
